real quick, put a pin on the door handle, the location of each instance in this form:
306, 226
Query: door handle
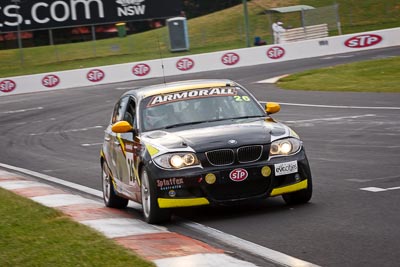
107, 139
117, 143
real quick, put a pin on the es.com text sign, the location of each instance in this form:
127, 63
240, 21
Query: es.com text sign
42, 14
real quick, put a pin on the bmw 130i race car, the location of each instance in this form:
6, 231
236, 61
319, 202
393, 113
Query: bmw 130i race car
197, 143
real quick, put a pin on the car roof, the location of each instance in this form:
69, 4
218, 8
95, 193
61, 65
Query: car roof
166, 88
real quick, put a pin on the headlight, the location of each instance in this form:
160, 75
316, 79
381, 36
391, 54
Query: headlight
177, 160
285, 147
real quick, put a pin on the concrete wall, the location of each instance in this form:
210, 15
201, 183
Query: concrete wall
198, 63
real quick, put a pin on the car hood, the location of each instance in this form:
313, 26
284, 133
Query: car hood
202, 138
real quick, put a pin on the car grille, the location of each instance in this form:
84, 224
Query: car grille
244, 154
249, 153
221, 157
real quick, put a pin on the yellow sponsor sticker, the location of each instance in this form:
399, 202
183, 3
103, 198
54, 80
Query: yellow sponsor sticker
210, 178
266, 171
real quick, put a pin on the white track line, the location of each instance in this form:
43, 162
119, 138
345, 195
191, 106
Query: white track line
329, 106
243, 245
52, 179
21, 110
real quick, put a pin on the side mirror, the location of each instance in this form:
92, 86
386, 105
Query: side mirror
272, 107
122, 127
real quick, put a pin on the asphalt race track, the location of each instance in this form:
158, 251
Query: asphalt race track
352, 141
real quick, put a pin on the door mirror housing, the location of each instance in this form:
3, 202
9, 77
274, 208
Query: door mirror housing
122, 127
272, 107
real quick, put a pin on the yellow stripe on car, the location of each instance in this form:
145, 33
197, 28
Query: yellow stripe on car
122, 144
183, 202
290, 188
152, 150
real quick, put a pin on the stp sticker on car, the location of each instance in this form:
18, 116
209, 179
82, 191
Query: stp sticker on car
238, 175
141, 69
275, 52
364, 40
95, 75
230, 59
7, 86
50, 81
286, 168
185, 64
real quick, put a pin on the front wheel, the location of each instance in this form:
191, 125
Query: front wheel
152, 213
110, 198
299, 197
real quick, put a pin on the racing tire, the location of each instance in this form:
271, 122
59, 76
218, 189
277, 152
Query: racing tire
299, 197
151, 211
111, 199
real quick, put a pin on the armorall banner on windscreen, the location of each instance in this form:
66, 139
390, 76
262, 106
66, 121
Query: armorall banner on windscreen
44, 14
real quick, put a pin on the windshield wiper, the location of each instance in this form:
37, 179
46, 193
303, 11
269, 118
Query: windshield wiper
248, 117
184, 124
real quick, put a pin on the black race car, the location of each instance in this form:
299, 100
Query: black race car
198, 143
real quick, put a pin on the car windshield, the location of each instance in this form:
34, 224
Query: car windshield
197, 106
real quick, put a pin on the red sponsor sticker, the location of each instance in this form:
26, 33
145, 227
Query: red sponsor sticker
230, 58
95, 75
51, 80
141, 69
364, 40
7, 86
238, 175
275, 52
185, 64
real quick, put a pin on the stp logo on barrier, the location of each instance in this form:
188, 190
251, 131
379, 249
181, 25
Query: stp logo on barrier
230, 59
141, 70
95, 75
364, 40
275, 52
7, 86
238, 175
50, 81
185, 64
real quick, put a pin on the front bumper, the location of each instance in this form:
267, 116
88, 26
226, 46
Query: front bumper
189, 187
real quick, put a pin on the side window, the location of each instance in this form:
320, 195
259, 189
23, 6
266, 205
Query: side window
130, 113
119, 109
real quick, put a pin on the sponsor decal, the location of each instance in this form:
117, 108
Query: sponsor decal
364, 40
230, 59
50, 81
185, 64
131, 7
7, 86
141, 69
275, 52
95, 75
238, 175
44, 14
170, 183
286, 168
199, 93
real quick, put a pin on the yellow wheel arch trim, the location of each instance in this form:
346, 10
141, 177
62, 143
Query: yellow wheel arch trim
290, 188
181, 202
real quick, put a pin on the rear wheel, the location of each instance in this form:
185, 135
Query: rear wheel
299, 197
110, 198
152, 213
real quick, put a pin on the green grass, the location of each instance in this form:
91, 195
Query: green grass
33, 235
214, 32
369, 76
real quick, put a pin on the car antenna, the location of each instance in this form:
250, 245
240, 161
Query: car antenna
162, 60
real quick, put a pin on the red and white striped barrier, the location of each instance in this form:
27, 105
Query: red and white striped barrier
199, 63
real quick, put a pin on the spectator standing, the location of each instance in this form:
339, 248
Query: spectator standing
277, 29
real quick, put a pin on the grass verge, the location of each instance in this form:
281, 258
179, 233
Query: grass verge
34, 235
368, 76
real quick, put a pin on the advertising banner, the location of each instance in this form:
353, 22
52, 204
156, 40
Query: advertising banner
45, 14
